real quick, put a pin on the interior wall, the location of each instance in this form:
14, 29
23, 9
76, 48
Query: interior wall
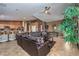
52, 24
39, 23
33, 23
11, 24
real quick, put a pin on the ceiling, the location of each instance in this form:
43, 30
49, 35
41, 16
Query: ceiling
32, 11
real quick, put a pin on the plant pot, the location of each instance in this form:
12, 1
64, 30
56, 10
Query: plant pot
70, 46
67, 46
78, 45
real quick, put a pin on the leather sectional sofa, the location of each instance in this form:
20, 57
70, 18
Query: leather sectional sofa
35, 43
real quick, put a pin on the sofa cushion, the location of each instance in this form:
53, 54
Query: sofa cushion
45, 36
44, 33
35, 34
40, 40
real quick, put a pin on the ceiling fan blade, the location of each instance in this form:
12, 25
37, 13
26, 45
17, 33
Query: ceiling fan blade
47, 8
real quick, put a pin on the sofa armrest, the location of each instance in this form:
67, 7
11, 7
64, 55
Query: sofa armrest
43, 49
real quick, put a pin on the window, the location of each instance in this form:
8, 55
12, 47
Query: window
34, 29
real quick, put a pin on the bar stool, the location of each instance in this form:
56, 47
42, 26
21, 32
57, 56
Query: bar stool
3, 37
11, 35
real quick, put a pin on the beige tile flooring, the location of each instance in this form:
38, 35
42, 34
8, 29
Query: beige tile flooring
12, 49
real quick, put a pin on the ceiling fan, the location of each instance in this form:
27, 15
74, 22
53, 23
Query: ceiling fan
46, 10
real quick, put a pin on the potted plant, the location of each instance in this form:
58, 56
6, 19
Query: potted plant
69, 27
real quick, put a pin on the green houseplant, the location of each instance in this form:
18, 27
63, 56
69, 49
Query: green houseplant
69, 25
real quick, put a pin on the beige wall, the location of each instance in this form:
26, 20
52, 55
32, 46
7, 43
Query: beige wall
34, 23
16, 24
11, 24
38, 23
52, 24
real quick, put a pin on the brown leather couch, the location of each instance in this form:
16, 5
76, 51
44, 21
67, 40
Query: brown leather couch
34, 43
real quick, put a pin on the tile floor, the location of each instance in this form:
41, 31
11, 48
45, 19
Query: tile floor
12, 49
